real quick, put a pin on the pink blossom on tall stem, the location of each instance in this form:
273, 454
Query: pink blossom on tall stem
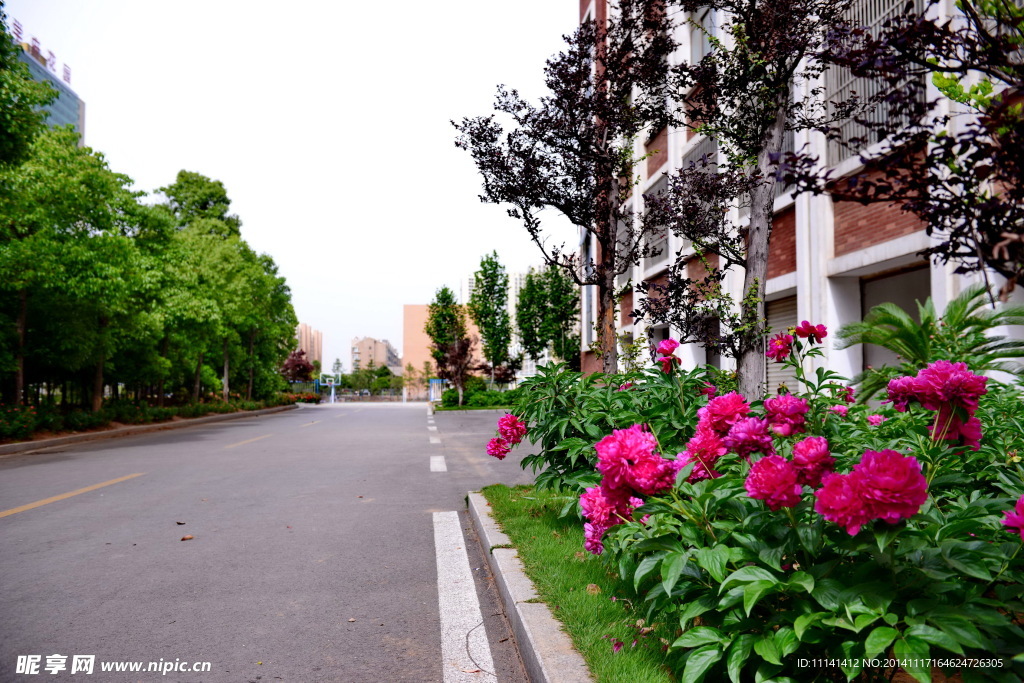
786, 414
773, 479
702, 450
847, 394
708, 390
511, 428
840, 500
892, 485
875, 420
948, 426
624, 387
1014, 519
748, 436
812, 460
812, 333
841, 411
779, 347
498, 447
668, 362
902, 390
722, 412
668, 347
953, 383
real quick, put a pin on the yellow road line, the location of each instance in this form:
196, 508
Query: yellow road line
242, 443
310, 423
39, 503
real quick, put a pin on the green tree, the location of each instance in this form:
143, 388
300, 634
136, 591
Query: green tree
488, 307
450, 343
547, 315
21, 101
194, 199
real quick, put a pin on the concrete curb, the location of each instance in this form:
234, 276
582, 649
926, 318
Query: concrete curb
547, 651
27, 446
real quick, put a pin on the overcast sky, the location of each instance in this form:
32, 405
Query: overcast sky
328, 123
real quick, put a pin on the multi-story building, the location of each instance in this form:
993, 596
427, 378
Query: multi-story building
311, 341
67, 108
379, 352
829, 261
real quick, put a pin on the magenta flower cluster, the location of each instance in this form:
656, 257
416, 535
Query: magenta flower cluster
781, 345
511, 431
883, 485
952, 391
1014, 519
779, 482
630, 466
668, 359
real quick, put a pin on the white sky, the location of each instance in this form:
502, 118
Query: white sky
328, 123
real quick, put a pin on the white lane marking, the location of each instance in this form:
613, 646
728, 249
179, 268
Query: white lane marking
435, 439
431, 428
465, 653
437, 464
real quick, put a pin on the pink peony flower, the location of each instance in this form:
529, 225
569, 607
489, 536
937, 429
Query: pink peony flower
952, 428
902, 390
722, 412
708, 390
892, 485
498, 447
668, 362
847, 394
702, 450
618, 451
779, 347
812, 333
592, 538
651, 474
1015, 517
605, 507
945, 382
840, 500
668, 347
786, 414
624, 387
749, 435
773, 479
812, 460
875, 420
511, 428
841, 411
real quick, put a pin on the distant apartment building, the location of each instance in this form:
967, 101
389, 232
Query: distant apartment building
829, 261
67, 108
311, 341
416, 344
379, 352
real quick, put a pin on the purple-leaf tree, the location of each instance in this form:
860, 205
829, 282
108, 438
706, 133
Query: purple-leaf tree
296, 368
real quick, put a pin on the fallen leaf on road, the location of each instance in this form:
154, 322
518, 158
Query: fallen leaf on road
180, 523
187, 538
471, 671
358, 496
351, 620
593, 589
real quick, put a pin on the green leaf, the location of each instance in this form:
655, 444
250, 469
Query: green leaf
935, 637
914, 654
739, 653
786, 641
805, 621
704, 603
963, 631
647, 566
864, 620
803, 580
879, 640
753, 592
769, 651
699, 661
713, 560
826, 592
748, 574
671, 570
702, 635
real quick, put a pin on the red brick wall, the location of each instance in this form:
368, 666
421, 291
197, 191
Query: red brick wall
657, 148
590, 362
695, 268
864, 225
782, 247
625, 308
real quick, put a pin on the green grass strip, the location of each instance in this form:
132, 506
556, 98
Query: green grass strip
578, 587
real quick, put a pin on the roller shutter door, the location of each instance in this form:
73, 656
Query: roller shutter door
781, 316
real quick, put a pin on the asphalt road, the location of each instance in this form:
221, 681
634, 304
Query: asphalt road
313, 554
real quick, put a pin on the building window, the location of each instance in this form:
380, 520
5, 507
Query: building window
904, 289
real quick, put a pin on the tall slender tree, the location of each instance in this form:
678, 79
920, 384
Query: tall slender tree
488, 308
451, 346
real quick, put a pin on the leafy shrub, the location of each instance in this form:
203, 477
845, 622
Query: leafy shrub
801, 527
81, 420
17, 422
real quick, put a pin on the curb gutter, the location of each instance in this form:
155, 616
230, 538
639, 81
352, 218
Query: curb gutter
26, 446
547, 651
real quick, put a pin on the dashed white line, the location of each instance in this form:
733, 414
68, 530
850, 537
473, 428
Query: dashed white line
435, 439
466, 655
431, 428
437, 464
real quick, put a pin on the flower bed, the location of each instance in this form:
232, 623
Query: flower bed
800, 528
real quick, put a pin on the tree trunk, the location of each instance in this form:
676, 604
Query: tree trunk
252, 365
198, 381
97, 386
22, 325
224, 382
750, 367
160, 384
